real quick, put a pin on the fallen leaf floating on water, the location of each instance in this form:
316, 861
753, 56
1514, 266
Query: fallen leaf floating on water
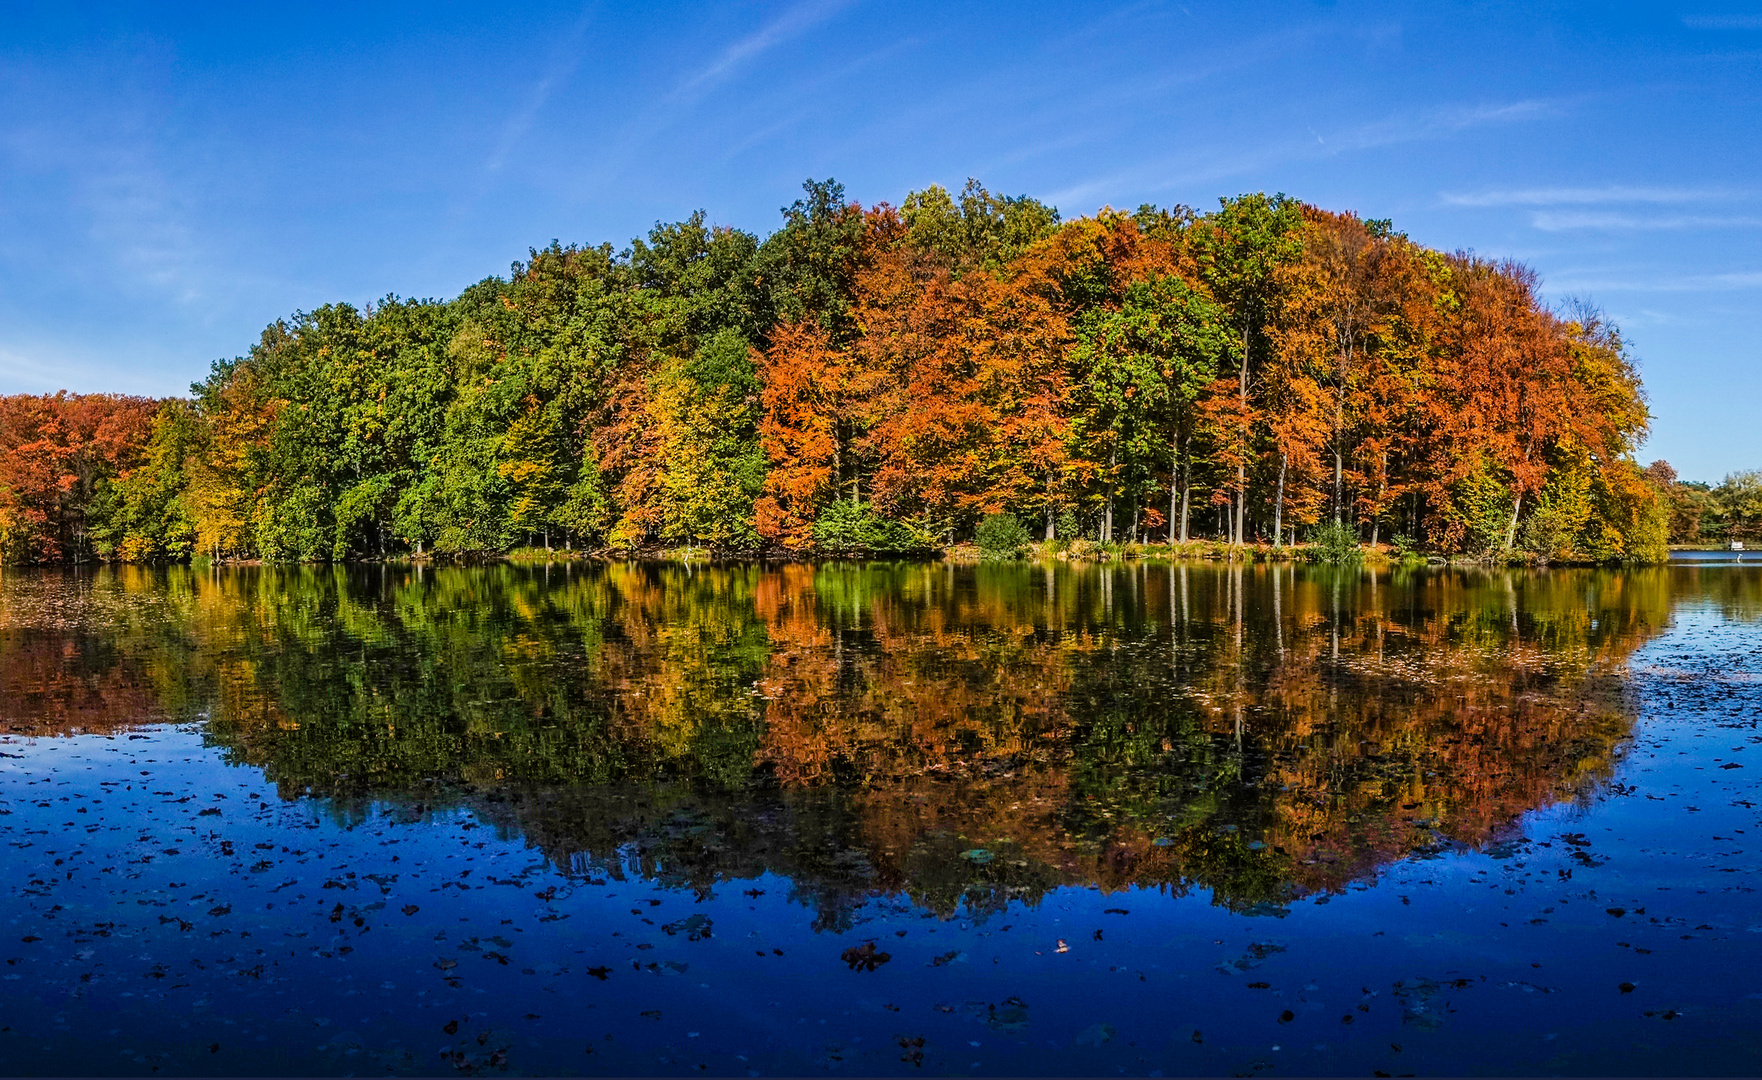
914, 1049
695, 927
865, 957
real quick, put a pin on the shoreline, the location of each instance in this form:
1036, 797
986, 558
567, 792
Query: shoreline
1081, 551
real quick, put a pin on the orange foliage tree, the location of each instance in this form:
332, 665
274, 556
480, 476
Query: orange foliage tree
56, 453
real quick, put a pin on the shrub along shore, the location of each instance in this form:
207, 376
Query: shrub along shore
1267, 379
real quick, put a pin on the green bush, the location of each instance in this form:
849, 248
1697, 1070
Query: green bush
1067, 525
847, 528
1335, 543
1001, 536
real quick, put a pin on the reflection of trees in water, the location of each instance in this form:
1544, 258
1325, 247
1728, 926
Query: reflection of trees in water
58, 684
79, 655
959, 735
1734, 591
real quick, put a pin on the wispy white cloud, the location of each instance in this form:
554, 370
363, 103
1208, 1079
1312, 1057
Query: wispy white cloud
1556, 221
1610, 194
1413, 126
1735, 281
567, 58
28, 370
1442, 122
138, 218
128, 198
809, 98
21, 374
1649, 317
792, 22
663, 112
1723, 22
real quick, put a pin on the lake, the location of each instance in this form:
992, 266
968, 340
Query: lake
874, 818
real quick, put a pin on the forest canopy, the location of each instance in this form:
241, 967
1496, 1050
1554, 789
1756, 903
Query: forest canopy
884, 379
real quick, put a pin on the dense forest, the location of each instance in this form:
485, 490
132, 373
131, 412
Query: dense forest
883, 379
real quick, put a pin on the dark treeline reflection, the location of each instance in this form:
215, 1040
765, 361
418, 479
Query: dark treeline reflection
960, 735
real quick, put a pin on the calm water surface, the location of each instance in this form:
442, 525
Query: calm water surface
881, 818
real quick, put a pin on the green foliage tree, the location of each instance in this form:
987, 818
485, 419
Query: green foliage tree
982, 229
1739, 498
1241, 249
1001, 536
1143, 366
851, 528
144, 515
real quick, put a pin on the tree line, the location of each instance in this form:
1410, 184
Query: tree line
881, 379
1703, 513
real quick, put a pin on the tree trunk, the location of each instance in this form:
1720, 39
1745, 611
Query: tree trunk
1113, 458
837, 458
1511, 533
1242, 466
1174, 498
1279, 504
1376, 520
1186, 486
1337, 482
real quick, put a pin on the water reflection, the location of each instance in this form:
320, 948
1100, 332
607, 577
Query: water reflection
963, 736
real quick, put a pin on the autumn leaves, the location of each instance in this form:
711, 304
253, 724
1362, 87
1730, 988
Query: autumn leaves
1278, 365
883, 379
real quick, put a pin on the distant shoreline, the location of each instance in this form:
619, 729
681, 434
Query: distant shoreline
1206, 552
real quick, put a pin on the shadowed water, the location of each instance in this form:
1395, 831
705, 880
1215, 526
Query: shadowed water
880, 818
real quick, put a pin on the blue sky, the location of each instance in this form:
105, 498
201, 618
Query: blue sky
174, 178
